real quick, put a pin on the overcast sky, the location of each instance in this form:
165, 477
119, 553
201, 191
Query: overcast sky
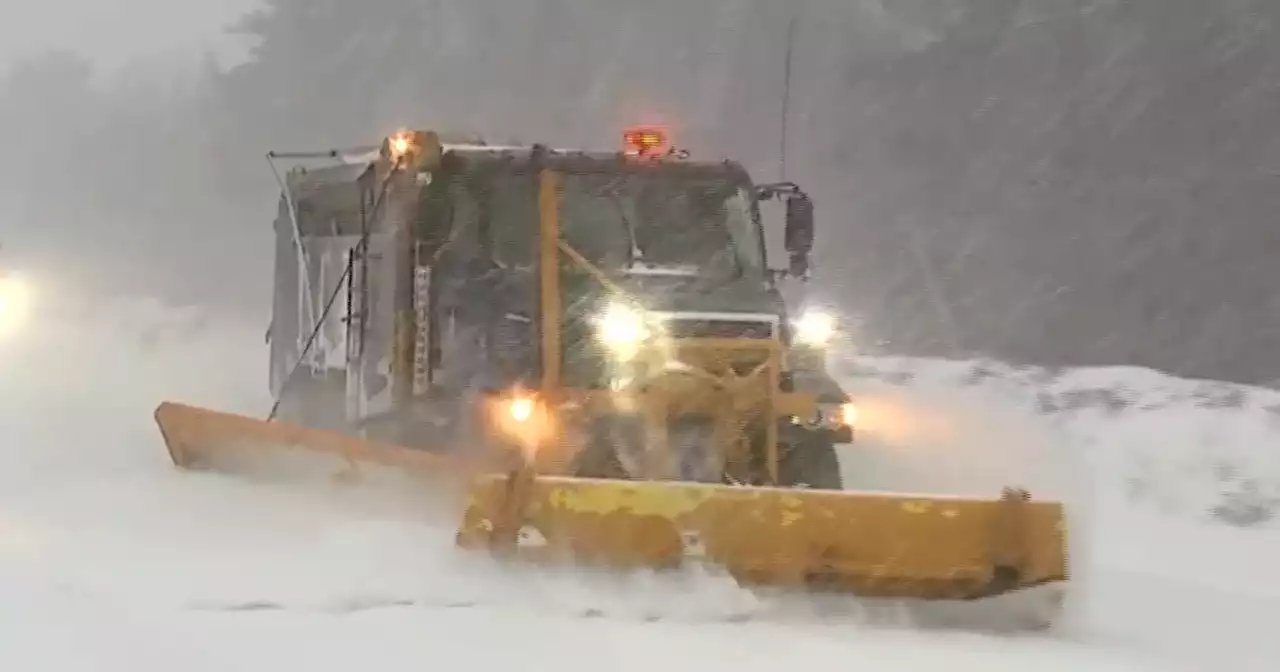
114, 32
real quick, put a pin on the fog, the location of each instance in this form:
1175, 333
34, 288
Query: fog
1064, 183
118, 33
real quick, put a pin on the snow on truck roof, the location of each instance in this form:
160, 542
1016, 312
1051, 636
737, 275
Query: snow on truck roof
354, 161
331, 194
367, 156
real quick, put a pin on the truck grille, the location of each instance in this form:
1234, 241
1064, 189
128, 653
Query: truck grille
718, 328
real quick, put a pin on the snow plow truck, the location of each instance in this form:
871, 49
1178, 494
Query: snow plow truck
589, 354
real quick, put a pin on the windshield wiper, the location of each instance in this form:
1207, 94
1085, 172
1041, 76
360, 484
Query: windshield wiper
634, 253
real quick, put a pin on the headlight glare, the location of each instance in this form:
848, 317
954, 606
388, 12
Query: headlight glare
815, 328
622, 329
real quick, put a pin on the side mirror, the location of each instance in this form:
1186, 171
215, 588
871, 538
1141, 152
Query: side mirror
799, 233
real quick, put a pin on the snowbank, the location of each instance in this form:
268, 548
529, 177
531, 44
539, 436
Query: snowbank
1204, 450
1170, 477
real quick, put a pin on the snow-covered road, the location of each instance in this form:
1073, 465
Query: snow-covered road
109, 559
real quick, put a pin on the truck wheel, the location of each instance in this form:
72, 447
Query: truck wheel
811, 463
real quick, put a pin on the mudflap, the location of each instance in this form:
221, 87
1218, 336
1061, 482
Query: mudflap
887, 546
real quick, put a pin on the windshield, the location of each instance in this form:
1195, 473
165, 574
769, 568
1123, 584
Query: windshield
650, 220
646, 222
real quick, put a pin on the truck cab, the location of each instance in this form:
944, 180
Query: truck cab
418, 283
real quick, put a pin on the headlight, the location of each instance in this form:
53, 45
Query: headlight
520, 408
848, 414
15, 302
622, 329
521, 419
831, 416
815, 328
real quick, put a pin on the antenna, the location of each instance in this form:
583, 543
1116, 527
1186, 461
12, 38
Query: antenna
786, 100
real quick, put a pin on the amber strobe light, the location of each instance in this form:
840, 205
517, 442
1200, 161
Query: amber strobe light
644, 141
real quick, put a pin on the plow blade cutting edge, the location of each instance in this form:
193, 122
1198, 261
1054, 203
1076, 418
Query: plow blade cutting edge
940, 549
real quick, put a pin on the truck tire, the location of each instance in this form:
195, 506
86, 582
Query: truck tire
811, 463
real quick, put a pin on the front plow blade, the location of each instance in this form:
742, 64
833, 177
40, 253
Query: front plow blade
203, 439
879, 545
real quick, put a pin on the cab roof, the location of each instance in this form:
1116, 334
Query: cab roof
328, 197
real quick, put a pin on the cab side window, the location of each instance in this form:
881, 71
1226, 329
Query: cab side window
458, 314
510, 215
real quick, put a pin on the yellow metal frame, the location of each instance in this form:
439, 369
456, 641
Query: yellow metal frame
549, 281
706, 356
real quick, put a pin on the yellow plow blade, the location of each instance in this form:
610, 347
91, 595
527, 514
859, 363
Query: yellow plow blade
869, 544
207, 440
948, 550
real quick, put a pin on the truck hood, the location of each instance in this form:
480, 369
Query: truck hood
699, 294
